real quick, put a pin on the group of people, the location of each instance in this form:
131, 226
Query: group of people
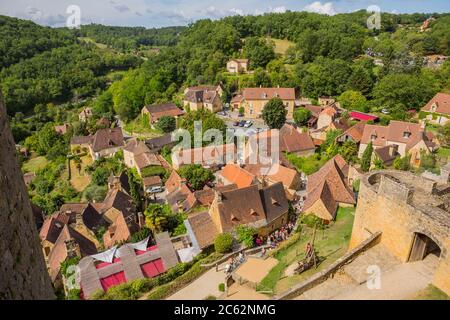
235, 262
280, 235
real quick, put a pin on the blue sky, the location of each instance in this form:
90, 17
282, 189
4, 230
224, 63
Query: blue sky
157, 13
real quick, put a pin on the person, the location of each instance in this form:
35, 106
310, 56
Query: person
308, 249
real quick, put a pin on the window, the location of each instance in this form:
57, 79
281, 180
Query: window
406, 134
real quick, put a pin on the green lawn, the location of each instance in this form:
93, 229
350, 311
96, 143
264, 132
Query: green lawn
34, 164
330, 244
444, 153
431, 293
281, 46
142, 128
308, 165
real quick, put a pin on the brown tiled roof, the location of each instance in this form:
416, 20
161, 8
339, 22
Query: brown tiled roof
339, 124
120, 201
174, 182
268, 93
274, 201
166, 109
355, 132
330, 111
204, 229
335, 173
233, 173
103, 122
205, 197
62, 129
201, 95
159, 142
442, 102
237, 99
59, 250
151, 181
146, 159
379, 132
275, 173
315, 110
136, 146
209, 155
107, 138
291, 140
322, 192
51, 229
387, 153
240, 206
119, 231
81, 140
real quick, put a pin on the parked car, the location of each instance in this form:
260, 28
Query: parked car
242, 123
385, 111
248, 124
222, 113
156, 189
236, 124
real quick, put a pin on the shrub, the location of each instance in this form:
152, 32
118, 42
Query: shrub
366, 159
222, 287
153, 171
245, 235
402, 163
312, 220
223, 243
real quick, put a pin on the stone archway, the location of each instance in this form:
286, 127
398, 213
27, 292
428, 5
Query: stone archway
422, 246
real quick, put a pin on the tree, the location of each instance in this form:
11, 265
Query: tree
156, 217
208, 120
223, 243
77, 161
353, 100
366, 159
166, 124
274, 113
301, 116
196, 175
100, 176
245, 235
349, 151
444, 134
403, 163
258, 51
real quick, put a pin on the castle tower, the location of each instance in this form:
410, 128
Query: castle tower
23, 274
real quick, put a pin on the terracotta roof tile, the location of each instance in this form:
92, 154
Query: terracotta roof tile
442, 103
268, 93
233, 173
204, 229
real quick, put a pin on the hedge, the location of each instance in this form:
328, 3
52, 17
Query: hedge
223, 243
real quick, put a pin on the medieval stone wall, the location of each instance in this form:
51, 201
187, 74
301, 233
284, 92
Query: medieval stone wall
385, 205
23, 274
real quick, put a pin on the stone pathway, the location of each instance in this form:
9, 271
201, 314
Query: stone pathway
398, 281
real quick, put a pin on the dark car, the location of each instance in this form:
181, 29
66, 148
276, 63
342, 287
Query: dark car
236, 124
242, 123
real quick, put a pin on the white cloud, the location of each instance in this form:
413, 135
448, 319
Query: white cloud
318, 7
281, 9
239, 12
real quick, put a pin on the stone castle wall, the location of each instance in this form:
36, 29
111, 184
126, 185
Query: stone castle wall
23, 274
384, 205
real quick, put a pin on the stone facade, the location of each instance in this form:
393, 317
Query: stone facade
23, 274
401, 205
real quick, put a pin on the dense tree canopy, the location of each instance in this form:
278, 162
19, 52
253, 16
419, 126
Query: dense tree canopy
274, 113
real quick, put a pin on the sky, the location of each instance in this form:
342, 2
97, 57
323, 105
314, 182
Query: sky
161, 13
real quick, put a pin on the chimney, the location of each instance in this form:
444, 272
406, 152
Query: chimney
72, 248
78, 220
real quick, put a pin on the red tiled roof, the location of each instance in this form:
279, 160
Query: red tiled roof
167, 109
233, 173
291, 140
268, 93
442, 103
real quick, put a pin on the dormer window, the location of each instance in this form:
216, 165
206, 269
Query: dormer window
434, 107
373, 136
406, 134
253, 212
274, 201
234, 219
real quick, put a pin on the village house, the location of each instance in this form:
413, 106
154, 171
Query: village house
255, 99
326, 101
137, 155
104, 143
62, 129
354, 133
410, 139
265, 209
178, 195
212, 156
437, 110
328, 188
155, 112
237, 66
85, 114
326, 117
234, 174
131, 261
203, 97
156, 144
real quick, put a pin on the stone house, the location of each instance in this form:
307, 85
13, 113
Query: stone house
237, 66
212, 156
155, 112
326, 101
265, 209
85, 114
437, 110
106, 142
203, 97
410, 138
255, 99
137, 155
328, 188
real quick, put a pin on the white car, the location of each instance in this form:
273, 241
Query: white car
248, 124
155, 189
385, 111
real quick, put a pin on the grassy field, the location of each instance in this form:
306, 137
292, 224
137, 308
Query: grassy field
308, 165
444, 153
330, 244
34, 164
89, 40
432, 293
80, 179
281, 46
138, 127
